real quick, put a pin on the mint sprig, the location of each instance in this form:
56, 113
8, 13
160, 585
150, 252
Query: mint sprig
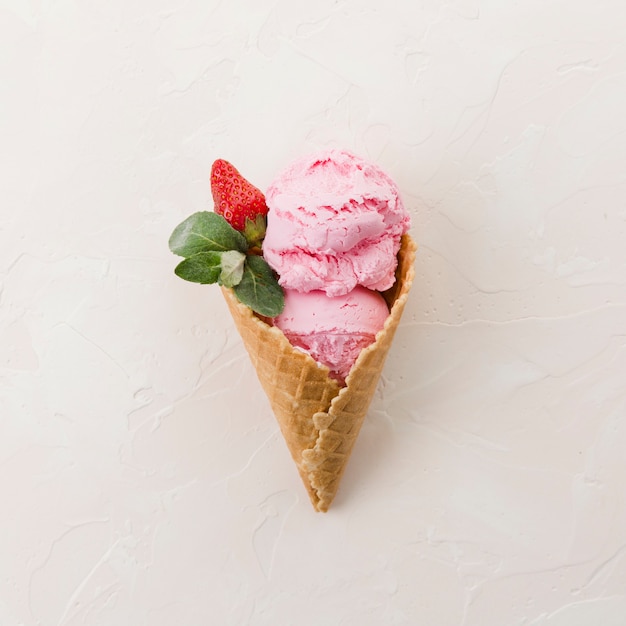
217, 253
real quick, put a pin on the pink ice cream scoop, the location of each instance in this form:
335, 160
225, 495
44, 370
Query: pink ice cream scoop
335, 222
333, 330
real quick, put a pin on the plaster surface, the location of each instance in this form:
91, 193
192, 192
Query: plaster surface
143, 480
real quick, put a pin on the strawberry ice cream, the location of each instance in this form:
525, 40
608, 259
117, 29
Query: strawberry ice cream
333, 330
333, 233
334, 222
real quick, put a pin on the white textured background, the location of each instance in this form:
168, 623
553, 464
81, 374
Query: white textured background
143, 480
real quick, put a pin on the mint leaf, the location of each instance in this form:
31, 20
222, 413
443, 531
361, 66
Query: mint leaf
205, 232
259, 289
232, 268
203, 267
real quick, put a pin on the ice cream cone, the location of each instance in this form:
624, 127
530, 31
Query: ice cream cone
319, 419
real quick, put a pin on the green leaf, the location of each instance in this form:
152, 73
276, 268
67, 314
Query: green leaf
259, 289
203, 267
232, 268
205, 232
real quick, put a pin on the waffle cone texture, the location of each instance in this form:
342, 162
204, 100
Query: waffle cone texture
319, 419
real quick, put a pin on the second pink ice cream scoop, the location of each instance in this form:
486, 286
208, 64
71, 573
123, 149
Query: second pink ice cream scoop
333, 330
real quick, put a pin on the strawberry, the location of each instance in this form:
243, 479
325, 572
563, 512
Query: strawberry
235, 198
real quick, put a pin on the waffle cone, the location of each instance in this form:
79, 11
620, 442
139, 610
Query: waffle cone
318, 418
